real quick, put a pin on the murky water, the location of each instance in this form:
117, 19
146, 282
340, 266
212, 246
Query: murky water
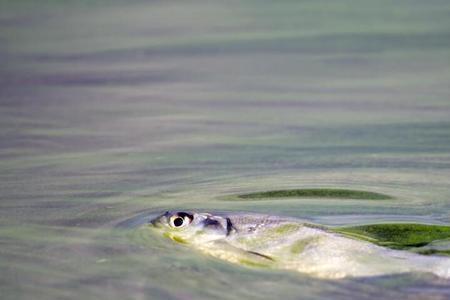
110, 109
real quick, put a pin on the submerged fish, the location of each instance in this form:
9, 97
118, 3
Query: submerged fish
291, 244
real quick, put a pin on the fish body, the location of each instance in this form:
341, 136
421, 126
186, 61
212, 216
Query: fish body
286, 243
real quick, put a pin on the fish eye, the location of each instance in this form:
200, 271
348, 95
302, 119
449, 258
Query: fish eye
180, 220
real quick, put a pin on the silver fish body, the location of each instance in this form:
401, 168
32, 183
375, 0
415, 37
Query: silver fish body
286, 243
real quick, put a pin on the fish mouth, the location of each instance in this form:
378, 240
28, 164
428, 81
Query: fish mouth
154, 223
157, 221
144, 218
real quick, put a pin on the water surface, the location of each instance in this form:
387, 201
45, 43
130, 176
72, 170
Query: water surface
111, 109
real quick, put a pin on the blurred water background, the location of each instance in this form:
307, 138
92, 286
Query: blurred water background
109, 109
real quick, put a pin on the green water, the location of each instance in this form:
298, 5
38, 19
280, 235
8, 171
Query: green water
109, 109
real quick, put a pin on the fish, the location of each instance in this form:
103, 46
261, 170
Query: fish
273, 242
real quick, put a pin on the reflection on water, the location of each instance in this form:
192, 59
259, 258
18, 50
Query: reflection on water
110, 109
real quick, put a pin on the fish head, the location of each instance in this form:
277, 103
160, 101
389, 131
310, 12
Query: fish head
192, 227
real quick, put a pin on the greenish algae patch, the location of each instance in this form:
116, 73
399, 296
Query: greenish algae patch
248, 241
269, 234
252, 263
283, 229
176, 238
400, 235
434, 251
300, 245
316, 193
